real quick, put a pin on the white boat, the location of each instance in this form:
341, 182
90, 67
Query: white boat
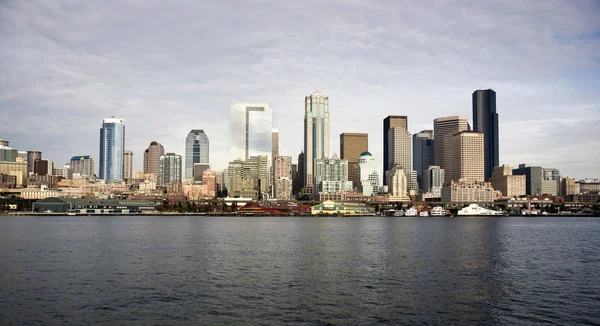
423, 213
437, 211
399, 213
476, 210
411, 212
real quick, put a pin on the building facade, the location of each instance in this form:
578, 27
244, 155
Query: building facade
351, 146
468, 192
251, 130
248, 178
112, 147
16, 169
197, 150
485, 120
152, 156
423, 155
128, 165
316, 133
371, 175
169, 170
31, 157
7, 154
282, 177
43, 167
468, 156
508, 184
83, 165
330, 169
398, 184
568, 186
434, 181
392, 121
443, 130
533, 178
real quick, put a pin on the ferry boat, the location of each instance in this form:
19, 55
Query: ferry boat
476, 210
437, 211
411, 212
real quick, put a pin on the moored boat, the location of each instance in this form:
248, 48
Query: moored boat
437, 211
476, 210
411, 212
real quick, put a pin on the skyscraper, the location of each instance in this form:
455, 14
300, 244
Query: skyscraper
316, 133
485, 120
250, 128
282, 172
31, 157
351, 146
371, 176
128, 165
298, 184
169, 169
196, 151
468, 156
112, 146
83, 165
392, 121
443, 131
423, 155
274, 143
152, 156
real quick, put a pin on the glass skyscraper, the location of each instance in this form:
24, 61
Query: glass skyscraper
316, 133
485, 120
251, 130
112, 146
196, 151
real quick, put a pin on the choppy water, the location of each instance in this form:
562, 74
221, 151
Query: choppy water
271, 270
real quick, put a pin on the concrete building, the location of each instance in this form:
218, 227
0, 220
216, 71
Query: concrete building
316, 134
443, 130
508, 184
434, 181
251, 127
7, 154
371, 175
468, 192
392, 121
169, 169
82, 165
468, 156
128, 165
197, 150
400, 155
31, 157
589, 186
550, 181
16, 169
65, 172
248, 177
330, 169
568, 186
485, 120
398, 184
209, 182
351, 146
423, 155
112, 146
198, 173
152, 156
282, 177
43, 167
274, 142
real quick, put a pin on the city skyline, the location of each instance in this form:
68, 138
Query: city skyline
88, 63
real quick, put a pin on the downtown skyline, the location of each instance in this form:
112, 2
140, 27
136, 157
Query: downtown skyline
546, 95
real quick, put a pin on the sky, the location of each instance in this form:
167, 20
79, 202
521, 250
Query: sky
167, 67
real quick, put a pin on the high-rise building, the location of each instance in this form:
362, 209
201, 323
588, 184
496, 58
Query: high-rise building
282, 177
316, 133
371, 174
196, 151
112, 146
128, 165
31, 157
392, 121
434, 181
443, 131
351, 146
485, 120
43, 167
569, 187
423, 155
299, 183
7, 154
329, 170
397, 184
550, 181
399, 149
169, 170
468, 156
152, 156
508, 184
274, 143
64, 172
533, 178
248, 178
83, 165
250, 127
209, 182
199, 169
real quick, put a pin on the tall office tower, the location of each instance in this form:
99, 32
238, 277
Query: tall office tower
392, 121
274, 143
301, 174
400, 149
443, 130
250, 127
128, 165
351, 146
43, 167
112, 146
371, 174
82, 165
468, 156
316, 133
422, 155
196, 151
31, 157
152, 156
282, 173
169, 169
485, 120
434, 181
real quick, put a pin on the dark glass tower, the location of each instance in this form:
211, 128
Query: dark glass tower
485, 120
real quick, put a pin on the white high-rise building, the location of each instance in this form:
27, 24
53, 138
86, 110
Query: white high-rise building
251, 130
316, 133
169, 169
434, 181
371, 174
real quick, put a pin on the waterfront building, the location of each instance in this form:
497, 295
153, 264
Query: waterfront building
485, 120
589, 186
248, 177
398, 184
112, 146
351, 146
152, 156
508, 184
282, 177
316, 135
169, 170
371, 175
434, 181
392, 121
7, 154
468, 156
31, 157
443, 131
8, 181
197, 150
128, 165
16, 169
43, 167
568, 186
468, 192
423, 155
251, 130
82, 165
330, 169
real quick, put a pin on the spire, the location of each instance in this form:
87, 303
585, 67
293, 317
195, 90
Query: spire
317, 92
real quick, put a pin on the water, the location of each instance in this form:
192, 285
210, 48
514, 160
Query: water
273, 270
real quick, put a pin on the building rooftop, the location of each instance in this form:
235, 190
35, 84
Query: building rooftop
365, 154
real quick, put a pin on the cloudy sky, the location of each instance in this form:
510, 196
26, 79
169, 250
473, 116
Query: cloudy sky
170, 66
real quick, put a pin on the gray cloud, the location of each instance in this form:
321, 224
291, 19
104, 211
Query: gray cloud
169, 68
